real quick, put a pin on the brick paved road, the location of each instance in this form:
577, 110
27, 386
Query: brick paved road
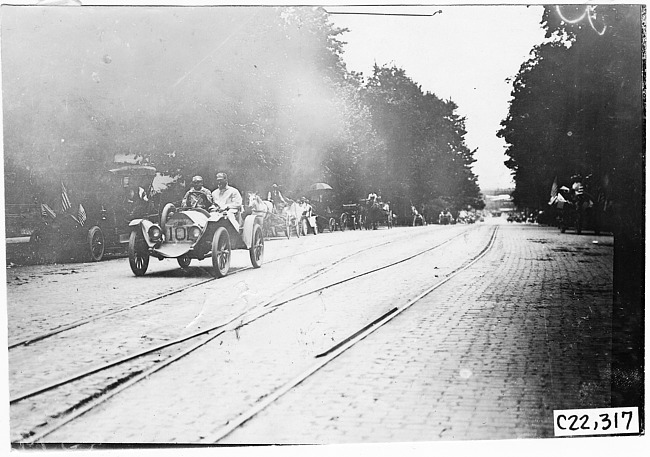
489, 355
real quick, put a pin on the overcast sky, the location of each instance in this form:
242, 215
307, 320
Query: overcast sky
464, 53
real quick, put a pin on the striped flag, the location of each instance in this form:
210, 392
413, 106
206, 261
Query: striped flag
47, 211
65, 200
553, 192
82, 215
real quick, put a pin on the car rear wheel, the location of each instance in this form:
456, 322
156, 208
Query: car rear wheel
221, 252
184, 261
138, 254
96, 244
257, 249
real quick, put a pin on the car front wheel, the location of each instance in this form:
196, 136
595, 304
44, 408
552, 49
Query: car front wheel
138, 254
221, 252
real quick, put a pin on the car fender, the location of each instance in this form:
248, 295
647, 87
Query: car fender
143, 225
249, 225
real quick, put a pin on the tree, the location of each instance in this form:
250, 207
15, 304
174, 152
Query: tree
425, 156
578, 107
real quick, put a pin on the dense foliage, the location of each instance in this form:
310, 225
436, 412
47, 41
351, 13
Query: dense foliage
577, 107
261, 93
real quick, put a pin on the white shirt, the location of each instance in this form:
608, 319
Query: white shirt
228, 198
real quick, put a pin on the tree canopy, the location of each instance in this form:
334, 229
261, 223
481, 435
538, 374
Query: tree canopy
577, 106
261, 93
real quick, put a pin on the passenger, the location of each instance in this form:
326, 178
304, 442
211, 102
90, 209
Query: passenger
577, 188
308, 212
275, 197
136, 202
226, 197
198, 196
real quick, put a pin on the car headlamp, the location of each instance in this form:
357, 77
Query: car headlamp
194, 233
155, 234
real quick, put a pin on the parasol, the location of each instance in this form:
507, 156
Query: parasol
319, 186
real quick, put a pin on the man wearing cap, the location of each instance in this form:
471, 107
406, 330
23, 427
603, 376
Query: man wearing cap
198, 196
275, 197
226, 197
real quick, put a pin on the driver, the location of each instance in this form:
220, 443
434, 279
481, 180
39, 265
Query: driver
275, 197
198, 196
226, 197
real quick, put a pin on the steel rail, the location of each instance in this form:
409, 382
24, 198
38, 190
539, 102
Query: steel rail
326, 357
80, 322
231, 324
239, 317
127, 358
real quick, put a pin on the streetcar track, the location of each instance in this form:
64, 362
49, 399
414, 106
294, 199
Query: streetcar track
239, 317
245, 318
329, 355
127, 358
63, 328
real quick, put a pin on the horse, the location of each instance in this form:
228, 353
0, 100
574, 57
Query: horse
262, 208
293, 212
375, 214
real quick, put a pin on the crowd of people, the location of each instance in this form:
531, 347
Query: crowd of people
228, 198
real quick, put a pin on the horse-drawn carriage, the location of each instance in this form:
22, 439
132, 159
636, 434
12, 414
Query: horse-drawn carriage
195, 233
352, 216
580, 214
377, 212
581, 207
285, 218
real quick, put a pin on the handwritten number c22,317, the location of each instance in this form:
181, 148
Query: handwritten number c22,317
605, 418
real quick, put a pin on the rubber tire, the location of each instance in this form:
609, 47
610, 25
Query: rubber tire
167, 211
96, 239
138, 257
304, 226
184, 261
344, 222
221, 251
332, 224
256, 251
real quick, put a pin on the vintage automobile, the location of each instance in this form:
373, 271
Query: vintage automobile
195, 233
110, 200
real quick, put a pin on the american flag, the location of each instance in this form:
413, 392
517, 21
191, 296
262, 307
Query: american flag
553, 192
82, 215
65, 200
47, 211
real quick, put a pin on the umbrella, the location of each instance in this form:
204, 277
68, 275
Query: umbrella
319, 186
